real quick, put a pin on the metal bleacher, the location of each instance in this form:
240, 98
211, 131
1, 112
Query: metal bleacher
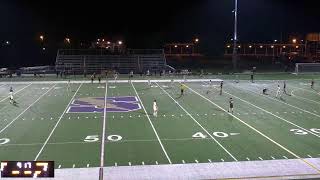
86, 61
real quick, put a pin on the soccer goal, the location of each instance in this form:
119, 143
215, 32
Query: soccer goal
307, 68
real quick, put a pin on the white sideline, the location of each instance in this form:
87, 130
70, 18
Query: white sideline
198, 123
112, 81
262, 134
289, 122
154, 130
45, 143
25, 110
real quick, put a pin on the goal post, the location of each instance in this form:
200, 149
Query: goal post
307, 68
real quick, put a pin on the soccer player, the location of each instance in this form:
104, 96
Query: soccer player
149, 82
115, 75
312, 84
209, 86
148, 72
251, 78
11, 96
130, 75
155, 108
264, 91
172, 82
68, 87
284, 87
230, 105
221, 86
182, 87
92, 77
278, 91
99, 79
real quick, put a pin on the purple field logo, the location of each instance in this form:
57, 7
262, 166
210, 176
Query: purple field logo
96, 104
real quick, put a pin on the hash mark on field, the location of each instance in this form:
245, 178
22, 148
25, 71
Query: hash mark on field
59, 166
129, 163
139, 116
78, 117
213, 114
42, 118
172, 115
164, 115
69, 118
309, 156
157, 163
260, 158
285, 112
248, 159
183, 162
87, 117
209, 160
205, 114
196, 161
88, 165
285, 157
273, 158
73, 165
292, 112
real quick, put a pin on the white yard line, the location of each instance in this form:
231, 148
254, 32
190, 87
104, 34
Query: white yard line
280, 101
16, 92
104, 126
204, 129
154, 130
25, 110
45, 143
289, 122
254, 129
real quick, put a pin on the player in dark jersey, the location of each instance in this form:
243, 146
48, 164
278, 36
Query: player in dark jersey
221, 86
230, 105
312, 84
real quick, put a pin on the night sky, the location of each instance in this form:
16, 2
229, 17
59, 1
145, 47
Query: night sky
145, 24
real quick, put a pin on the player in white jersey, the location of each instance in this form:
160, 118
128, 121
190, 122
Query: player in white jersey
68, 87
155, 108
278, 91
115, 77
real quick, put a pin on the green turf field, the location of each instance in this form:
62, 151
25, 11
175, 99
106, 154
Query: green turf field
193, 128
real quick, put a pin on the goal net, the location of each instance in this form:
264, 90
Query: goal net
307, 68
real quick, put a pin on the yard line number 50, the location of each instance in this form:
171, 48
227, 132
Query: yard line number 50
94, 138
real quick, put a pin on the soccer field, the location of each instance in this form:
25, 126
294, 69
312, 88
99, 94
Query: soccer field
51, 123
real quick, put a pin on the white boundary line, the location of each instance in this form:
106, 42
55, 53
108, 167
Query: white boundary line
289, 122
305, 99
45, 143
104, 126
262, 134
198, 123
26, 109
16, 92
280, 102
154, 130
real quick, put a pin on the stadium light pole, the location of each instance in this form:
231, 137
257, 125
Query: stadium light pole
235, 37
